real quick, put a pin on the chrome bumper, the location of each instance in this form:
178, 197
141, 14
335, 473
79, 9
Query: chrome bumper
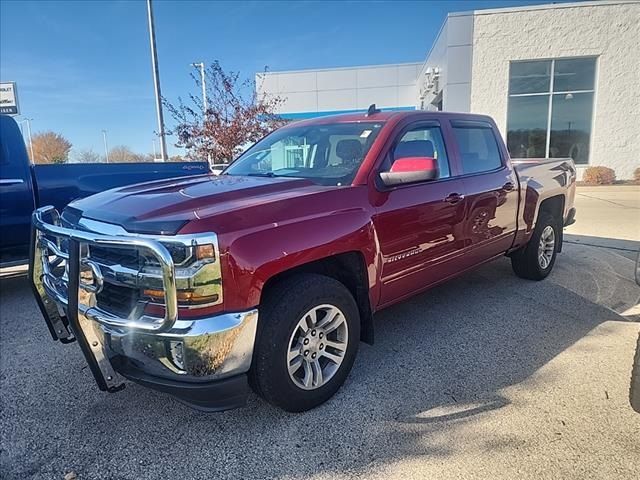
206, 349
65, 283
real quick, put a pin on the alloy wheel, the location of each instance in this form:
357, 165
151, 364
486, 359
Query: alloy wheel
546, 247
317, 346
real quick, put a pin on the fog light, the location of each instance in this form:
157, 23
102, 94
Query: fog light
176, 351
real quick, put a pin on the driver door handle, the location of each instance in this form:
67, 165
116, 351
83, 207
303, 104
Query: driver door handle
454, 198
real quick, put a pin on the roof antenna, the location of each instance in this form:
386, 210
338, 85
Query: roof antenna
372, 110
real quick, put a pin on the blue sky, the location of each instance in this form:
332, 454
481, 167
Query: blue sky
85, 66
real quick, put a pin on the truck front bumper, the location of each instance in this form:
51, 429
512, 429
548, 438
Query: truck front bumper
202, 362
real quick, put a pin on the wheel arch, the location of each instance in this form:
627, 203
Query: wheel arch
554, 206
350, 269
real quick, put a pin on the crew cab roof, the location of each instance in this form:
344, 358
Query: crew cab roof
386, 116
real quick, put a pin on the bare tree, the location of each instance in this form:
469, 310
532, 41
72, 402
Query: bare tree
123, 154
236, 116
50, 147
87, 156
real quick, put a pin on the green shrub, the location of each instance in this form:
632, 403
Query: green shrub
599, 176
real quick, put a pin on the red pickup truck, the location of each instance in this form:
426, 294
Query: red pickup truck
269, 274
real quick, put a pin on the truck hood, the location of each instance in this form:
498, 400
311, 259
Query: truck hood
164, 207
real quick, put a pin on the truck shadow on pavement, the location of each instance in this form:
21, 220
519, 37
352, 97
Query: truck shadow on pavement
440, 360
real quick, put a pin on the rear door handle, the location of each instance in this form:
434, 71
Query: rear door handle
454, 198
508, 187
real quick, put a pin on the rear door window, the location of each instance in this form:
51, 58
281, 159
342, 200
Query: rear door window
478, 148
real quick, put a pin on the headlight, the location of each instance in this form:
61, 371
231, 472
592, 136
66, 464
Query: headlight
198, 278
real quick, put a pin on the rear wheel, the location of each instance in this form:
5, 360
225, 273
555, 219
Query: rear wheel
535, 261
309, 330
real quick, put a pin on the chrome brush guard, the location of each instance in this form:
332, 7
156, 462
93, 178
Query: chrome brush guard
65, 282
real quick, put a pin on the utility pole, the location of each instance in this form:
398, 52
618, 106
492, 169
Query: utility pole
28, 122
205, 104
156, 82
106, 150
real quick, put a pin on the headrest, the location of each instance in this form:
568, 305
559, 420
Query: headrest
349, 149
414, 148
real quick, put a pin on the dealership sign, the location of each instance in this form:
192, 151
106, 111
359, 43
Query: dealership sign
9, 99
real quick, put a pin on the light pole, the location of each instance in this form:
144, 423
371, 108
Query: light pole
205, 104
156, 81
28, 122
106, 150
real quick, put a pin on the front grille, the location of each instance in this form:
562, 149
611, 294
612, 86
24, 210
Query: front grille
117, 300
127, 257
134, 258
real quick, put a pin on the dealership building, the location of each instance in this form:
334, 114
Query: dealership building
560, 80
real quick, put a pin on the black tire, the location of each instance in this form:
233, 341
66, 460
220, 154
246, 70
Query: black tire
634, 389
525, 261
285, 304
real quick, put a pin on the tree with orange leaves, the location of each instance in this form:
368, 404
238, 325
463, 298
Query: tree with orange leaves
50, 147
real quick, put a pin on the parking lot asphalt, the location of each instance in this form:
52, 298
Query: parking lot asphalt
487, 376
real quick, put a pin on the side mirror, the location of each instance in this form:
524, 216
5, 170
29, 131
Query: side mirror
410, 170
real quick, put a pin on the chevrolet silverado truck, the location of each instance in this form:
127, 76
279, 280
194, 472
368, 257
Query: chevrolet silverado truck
268, 275
24, 186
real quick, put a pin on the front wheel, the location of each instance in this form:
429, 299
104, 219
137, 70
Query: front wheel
535, 261
309, 330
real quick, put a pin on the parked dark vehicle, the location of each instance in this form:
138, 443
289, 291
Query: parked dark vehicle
269, 274
24, 187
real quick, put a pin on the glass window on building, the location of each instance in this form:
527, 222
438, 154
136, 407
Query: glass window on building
551, 108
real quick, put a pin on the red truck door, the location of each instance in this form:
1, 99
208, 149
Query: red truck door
418, 224
491, 188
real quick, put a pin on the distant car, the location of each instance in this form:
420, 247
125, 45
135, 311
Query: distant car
25, 187
269, 274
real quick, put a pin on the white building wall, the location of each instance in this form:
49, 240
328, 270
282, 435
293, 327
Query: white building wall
608, 30
452, 55
342, 89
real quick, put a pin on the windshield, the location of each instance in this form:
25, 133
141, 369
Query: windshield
327, 154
